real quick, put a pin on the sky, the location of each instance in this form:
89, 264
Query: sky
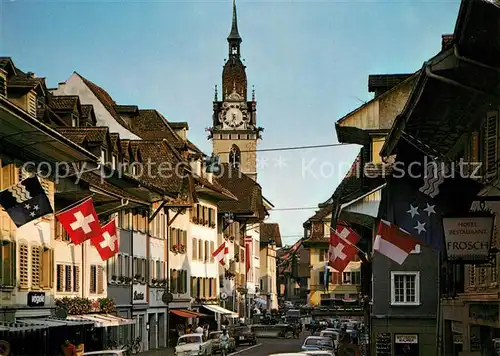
308, 60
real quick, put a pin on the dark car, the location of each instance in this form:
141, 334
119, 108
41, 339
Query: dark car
244, 335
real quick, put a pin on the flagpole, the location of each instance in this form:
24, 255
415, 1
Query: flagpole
74, 204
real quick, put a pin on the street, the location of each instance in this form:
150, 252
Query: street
264, 347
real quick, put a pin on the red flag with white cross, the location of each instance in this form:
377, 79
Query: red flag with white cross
107, 242
221, 253
342, 247
80, 222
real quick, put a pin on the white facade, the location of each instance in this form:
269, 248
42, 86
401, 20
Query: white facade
205, 266
76, 86
253, 276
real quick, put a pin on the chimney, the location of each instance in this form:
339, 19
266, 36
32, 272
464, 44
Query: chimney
446, 41
61, 85
209, 176
30, 75
195, 166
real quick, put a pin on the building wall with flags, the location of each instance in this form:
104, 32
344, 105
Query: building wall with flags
27, 255
204, 270
182, 249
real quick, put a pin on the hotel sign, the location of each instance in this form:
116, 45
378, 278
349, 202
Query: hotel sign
468, 238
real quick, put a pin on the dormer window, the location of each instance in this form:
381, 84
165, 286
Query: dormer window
134, 170
125, 166
3, 83
114, 161
74, 121
104, 155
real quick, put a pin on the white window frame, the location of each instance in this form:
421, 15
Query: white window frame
417, 287
114, 161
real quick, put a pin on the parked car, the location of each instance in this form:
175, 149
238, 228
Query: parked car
244, 335
105, 353
214, 338
193, 345
307, 353
317, 343
334, 335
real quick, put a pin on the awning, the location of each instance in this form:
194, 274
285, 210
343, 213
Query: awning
52, 322
366, 204
20, 327
220, 310
186, 313
102, 320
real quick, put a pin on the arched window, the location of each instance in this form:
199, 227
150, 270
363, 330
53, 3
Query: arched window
234, 157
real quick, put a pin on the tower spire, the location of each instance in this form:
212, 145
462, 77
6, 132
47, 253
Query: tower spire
234, 38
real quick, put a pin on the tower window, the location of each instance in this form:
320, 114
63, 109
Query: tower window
234, 157
234, 50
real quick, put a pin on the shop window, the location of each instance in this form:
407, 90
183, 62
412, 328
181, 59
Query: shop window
23, 266
405, 288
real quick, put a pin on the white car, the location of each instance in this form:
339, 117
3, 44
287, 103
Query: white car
105, 353
317, 343
193, 345
334, 335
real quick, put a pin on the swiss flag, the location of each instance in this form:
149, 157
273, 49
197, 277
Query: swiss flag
342, 247
107, 242
80, 222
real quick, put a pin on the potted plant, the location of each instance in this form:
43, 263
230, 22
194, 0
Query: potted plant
127, 280
212, 225
154, 282
137, 278
231, 238
182, 249
121, 279
113, 279
237, 257
175, 249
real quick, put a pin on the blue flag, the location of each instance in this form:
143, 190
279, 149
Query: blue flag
421, 191
326, 277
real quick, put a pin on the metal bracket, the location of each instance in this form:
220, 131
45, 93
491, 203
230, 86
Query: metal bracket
124, 202
151, 218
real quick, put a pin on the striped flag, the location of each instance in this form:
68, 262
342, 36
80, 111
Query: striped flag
248, 254
221, 253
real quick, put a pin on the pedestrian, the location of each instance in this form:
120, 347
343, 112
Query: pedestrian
199, 329
189, 329
68, 348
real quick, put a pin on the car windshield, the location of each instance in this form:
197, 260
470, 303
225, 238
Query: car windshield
215, 335
318, 342
189, 340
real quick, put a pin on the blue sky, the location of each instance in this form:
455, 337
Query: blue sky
309, 62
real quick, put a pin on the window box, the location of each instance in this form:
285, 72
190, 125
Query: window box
405, 288
114, 280
212, 225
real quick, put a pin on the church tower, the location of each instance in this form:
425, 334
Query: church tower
234, 132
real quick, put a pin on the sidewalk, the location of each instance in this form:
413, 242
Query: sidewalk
159, 352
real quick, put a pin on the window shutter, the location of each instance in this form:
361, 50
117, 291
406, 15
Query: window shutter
35, 267
68, 276
92, 286
23, 266
195, 249
60, 278
100, 279
185, 239
76, 278
491, 144
51, 269
212, 246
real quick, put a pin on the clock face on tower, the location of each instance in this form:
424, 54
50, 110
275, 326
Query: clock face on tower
233, 117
